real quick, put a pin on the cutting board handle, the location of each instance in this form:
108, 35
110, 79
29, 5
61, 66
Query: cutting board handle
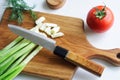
112, 55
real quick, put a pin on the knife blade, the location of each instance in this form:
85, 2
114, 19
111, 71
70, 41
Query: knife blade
58, 50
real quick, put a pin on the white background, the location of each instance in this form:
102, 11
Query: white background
108, 40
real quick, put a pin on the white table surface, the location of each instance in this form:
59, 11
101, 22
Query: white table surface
107, 40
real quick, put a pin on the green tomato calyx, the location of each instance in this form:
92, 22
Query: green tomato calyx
100, 13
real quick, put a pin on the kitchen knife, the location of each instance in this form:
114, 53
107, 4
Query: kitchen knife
57, 50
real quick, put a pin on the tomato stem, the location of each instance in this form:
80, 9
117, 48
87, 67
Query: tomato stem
100, 13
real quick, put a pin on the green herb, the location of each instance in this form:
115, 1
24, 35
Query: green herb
18, 8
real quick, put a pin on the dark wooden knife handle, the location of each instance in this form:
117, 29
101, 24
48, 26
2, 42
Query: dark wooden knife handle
79, 61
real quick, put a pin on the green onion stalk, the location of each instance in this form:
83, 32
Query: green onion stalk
15, 56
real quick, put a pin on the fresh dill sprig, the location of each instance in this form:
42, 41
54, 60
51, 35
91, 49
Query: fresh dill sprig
18, 8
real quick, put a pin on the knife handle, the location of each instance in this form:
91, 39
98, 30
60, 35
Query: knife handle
79, 61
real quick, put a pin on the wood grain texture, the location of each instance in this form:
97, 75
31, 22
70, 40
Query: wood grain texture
85, 63
55, 4
45, 63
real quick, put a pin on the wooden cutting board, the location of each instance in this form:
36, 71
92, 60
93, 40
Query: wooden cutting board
46, 64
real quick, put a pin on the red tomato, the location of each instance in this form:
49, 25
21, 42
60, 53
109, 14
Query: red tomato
100, 19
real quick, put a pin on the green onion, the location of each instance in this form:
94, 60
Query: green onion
18, 39
16, 69
6, 63
5, 54
15, 56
